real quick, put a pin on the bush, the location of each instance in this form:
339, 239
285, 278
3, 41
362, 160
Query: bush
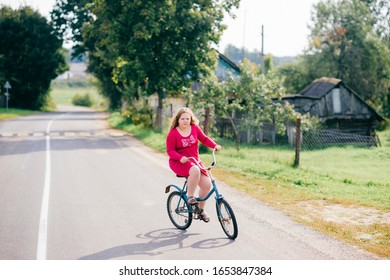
139, 114
82, 100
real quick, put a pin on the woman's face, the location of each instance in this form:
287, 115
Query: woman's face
184, 120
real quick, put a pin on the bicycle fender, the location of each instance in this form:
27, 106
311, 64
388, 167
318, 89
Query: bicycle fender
168, 188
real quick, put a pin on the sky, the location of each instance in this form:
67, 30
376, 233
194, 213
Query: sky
285, 24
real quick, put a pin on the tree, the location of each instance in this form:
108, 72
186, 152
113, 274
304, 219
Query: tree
30, 56
343, 36
344, 44
252, 96
380, 9
102, 59
164, 45
68, 17
74, 21
295, 75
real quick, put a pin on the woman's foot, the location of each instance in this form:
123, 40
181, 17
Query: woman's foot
192, 200
203, 216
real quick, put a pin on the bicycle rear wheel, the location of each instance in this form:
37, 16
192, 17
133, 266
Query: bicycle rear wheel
178, 211
227, 219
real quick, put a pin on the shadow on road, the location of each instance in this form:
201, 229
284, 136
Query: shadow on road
159, 242
64, 144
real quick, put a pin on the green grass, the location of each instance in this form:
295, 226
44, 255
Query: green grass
353, 175
12, 113
63, 95
60, 94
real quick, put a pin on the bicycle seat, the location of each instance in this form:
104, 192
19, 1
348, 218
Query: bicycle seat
178, 176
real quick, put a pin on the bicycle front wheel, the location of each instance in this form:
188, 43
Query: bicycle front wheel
178, 211
227, 219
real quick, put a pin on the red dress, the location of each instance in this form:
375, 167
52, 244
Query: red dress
179, 146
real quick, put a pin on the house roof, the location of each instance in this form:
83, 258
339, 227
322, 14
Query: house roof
296, 96
320, 87
228, 61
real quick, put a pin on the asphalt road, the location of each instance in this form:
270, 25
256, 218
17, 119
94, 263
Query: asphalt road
71, 188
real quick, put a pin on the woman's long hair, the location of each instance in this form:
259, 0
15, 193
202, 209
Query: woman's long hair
175, 119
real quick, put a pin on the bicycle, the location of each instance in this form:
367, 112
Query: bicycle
181, 213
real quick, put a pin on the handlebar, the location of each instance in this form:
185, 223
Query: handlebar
213, 164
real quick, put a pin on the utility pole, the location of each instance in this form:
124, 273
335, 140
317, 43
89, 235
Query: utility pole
262, 50
243, 37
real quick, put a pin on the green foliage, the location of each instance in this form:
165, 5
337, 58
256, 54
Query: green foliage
68, 17
295, 76
74, 21
161, 46
345, 44
82, 100
79, 83
139, 113
63, 95
30, 56
250, 96
12, 113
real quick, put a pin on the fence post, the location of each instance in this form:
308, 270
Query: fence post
297, 142
206, 120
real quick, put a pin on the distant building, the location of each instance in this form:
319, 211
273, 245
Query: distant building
76, 71
225, 68
337, 106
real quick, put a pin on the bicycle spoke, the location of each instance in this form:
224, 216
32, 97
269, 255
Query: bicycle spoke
178, 211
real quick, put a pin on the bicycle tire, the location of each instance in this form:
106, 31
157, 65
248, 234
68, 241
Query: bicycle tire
178, 211
227, 219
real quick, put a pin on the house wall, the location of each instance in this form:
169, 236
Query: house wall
354, 117
224, 70
351, 106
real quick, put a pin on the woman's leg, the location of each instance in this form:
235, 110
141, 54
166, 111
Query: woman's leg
193, 180
204, 185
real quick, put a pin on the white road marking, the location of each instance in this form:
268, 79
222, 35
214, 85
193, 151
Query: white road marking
42, 233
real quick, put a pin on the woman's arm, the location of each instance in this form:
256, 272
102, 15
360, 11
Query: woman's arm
205, 140
171, 147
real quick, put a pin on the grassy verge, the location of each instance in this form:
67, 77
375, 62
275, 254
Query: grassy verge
61, 94
14, 113
328, 184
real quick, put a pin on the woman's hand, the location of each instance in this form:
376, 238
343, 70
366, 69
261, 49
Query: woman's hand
218, 147
184, 159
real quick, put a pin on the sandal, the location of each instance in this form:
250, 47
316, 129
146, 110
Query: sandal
203, 216
192, 200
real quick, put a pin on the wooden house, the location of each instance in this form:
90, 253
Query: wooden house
337, 106
226, 67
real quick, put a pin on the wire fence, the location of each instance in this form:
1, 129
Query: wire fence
316, 139
313, 139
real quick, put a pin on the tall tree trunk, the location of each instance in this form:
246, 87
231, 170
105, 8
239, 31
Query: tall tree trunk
387, 109
158, 121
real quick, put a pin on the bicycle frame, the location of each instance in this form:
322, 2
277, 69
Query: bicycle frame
181, 213
214, 189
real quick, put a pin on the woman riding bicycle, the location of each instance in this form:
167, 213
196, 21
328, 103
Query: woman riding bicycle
182, 143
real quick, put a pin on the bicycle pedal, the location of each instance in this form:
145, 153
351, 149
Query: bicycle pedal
196, 211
